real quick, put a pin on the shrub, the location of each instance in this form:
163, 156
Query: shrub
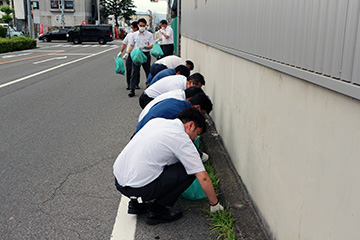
16, 44
3, 32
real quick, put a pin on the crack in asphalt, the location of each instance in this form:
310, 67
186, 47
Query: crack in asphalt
84, 169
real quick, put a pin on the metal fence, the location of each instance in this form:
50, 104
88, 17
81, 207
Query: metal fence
316, 40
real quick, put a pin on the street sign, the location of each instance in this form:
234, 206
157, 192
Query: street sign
83, 23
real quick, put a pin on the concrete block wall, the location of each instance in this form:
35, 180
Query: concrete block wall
295, 145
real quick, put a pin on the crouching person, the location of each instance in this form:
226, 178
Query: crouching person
161, 162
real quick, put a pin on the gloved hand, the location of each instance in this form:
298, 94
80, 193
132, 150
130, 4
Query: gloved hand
119, 54
142, 47
204, 157
125, 56
157, 40
217, 207
161, 30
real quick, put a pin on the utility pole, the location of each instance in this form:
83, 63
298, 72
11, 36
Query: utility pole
29, 16
62, 15
98, 11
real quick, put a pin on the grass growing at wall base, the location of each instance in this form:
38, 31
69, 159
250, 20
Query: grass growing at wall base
221, 222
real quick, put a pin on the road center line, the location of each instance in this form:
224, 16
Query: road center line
53, 68
125, 224
22, 59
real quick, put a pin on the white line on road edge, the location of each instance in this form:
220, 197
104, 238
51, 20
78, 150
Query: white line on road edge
16, 55
125, 224
53, 68
50, 59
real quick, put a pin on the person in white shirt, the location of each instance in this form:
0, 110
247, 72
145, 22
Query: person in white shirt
143, 40
168, 84
171, 61
167, 38
125, 44
177, 94
160, 163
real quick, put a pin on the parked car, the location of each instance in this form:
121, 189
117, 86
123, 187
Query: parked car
90, 33
12, 31
56, 34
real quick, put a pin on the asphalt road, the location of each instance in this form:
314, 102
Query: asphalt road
61, 130
65, 116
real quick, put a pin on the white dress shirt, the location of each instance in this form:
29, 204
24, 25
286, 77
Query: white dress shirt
127, 40
142, 39
161, 142
169, 32
171, 61
166, 84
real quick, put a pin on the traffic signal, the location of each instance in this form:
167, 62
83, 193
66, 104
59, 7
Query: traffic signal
154, 0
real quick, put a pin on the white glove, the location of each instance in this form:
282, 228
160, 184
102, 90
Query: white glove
125, 56
161, 30
119, 54
204, 157
141, 47
157, 40
217, 207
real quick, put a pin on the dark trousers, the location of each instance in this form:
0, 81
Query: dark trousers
155, 68
168, 49
128, 65
165, 190
144, 100
135, 73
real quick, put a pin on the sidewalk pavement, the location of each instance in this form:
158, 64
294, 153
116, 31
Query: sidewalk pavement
232, 194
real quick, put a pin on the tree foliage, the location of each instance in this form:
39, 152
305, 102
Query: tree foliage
8, 11
118, 8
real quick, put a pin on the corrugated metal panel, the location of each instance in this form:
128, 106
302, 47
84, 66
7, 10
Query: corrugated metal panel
356, 69
320, 36
351, 31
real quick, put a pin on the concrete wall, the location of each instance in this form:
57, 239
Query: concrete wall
295, 145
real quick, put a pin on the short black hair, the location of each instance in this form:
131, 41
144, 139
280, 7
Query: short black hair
163, 22
203, 100
191, 64
135, 24
192, 114
183, 70
191, 91
197, 78
142, 20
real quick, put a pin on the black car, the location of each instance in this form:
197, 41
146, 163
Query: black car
56, 34
90, 33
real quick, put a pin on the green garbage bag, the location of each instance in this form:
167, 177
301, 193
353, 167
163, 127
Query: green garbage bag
119, 65
194, 192
156, 51
138, 57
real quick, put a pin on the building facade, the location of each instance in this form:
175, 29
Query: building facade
48, 13
284, 80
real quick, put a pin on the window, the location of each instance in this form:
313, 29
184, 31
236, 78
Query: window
69, 4
54, 4
35, 5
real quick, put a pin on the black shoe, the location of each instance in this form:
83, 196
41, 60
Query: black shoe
131, 93
137, 87
136, 208
166, 216
128, 88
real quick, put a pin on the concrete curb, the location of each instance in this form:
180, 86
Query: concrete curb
232, 192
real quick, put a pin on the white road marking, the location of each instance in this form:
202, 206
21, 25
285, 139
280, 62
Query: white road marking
125, 224
16, 55
50, 59
53, 68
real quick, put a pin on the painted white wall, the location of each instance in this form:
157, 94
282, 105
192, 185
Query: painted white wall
295, 145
